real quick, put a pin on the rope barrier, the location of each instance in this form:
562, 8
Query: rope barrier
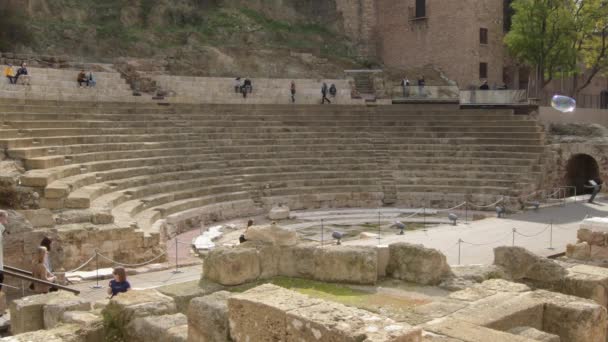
487, 243
132, 265
79, 267
533, 235
488, 205
456, 207
412, 215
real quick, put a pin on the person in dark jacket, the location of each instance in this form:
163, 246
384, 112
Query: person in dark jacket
324, 93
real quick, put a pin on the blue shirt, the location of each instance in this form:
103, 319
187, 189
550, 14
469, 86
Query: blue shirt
118, 287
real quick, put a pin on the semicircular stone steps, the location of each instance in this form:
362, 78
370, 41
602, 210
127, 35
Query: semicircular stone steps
145, 164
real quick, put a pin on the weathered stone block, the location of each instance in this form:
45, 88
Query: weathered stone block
39, 217
272, 234
208, 318
297, 261
280, 212
580, 251
164, 328
27, 312
61, 333
417, 264
350, 264
520, 263
577, 321
271, 313
232, 266
53, 312
534, 334
126, 307
183, 293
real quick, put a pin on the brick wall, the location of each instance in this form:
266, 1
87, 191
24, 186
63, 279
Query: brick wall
447, 38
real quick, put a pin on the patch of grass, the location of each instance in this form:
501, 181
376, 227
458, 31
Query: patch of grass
374, 301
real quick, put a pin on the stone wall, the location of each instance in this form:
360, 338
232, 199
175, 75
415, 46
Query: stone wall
72, 247
450, 26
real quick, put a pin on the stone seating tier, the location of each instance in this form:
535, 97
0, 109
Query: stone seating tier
144, 163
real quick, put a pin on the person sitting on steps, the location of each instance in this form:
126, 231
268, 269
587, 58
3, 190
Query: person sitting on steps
9, 72
333, 91
82, 78
23, 75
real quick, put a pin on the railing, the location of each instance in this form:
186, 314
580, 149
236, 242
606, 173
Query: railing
21, 274
493, 97
417, 93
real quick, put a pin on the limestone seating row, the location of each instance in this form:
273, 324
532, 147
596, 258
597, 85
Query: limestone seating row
60, 160
188, 189
38, 85
183, 201
54, 91
457, 191
92, 139
41, 178
51, 159
32, 152
111, 190
300, 162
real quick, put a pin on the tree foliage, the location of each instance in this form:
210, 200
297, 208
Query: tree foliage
560, 36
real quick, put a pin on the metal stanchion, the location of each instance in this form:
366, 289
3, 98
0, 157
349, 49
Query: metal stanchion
466, 211
176, 262
379, 226
551, 236
514, 231
96, 286
322, 232
459, 245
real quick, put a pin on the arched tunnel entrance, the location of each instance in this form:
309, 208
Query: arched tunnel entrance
579, 170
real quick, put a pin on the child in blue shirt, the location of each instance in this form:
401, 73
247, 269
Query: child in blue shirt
119, 283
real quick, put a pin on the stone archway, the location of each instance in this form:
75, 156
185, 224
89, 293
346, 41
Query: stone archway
579, 170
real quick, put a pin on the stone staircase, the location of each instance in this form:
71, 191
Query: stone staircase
143, 163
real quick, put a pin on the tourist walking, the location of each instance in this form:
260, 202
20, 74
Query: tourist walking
421, 86
3, 224
596, 185
237, 85
405, 83
119, 284
292, 89
9, 73
324, 93
41, 272
46, 243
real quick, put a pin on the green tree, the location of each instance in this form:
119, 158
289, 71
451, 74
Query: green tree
591, 18
542, 37
566, 37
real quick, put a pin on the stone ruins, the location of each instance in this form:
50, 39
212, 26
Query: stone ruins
112, 178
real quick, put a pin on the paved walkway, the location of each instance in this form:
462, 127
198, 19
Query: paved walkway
141, 281
480, 237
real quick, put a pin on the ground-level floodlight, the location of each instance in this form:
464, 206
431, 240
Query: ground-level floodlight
500, 211
453, 217
535, 204
399, 225
338, 236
